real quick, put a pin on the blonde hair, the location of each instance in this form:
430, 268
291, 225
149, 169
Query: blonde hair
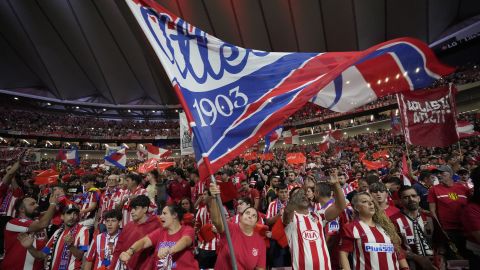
381, 219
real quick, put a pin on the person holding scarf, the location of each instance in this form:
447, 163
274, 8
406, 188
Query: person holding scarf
65, 249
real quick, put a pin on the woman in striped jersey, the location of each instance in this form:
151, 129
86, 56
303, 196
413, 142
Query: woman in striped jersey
372, 238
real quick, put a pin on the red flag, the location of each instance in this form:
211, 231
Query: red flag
152, 164
374, 165
405, 171
291, 136
157, 152
266, 156
250, 155
46, 177
465, 129
323, 147
429, 117
361, 156
296, 158
381, 154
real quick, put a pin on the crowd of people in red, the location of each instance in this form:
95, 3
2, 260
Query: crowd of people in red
48, 123
332, 212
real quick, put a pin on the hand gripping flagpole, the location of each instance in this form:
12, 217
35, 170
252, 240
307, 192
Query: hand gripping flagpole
223, 214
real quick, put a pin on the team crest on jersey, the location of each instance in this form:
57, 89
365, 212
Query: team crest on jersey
254, 252
333, 226
310, 235
453, 196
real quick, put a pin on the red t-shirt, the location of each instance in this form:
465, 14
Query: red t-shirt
391, 210
471, 220
250, 251
181, 260
16, 256
178, 190
450, 202
131, 233
228, 192
253, 194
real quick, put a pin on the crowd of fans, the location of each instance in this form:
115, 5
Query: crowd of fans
332, 212
44, 123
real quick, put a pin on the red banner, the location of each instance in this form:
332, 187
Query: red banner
266, 156
381, 154
429, 117
250, 156
46, 177
153, 164
296, 158
374, 165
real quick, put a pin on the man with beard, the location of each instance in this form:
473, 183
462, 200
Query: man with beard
415, 226
304, 229
65, 249
16, 256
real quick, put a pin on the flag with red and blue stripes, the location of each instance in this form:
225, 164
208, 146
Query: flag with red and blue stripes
234, 96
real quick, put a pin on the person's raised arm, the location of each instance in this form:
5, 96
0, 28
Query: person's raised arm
214, 208
44, 221
288, 213
340, 204
8, 177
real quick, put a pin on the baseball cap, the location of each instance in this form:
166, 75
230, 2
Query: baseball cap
69, 208
444, 168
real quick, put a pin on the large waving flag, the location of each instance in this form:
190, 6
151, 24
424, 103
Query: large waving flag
117, 158
291, 136
157, 152
233, 96
69, 156
271, 138
465, 129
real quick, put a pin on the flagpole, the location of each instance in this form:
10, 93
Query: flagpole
460, 149
225, 225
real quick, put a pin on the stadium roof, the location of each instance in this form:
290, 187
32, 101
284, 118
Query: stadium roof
93, 52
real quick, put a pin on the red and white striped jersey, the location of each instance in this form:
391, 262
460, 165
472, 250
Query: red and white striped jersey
81, 242
127, 217
410, 238
101, 249
274, 208
8, 197
109, 198
307, 242
203, 218
16, 256
198, 190
347, 189
92, 196
371, 246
